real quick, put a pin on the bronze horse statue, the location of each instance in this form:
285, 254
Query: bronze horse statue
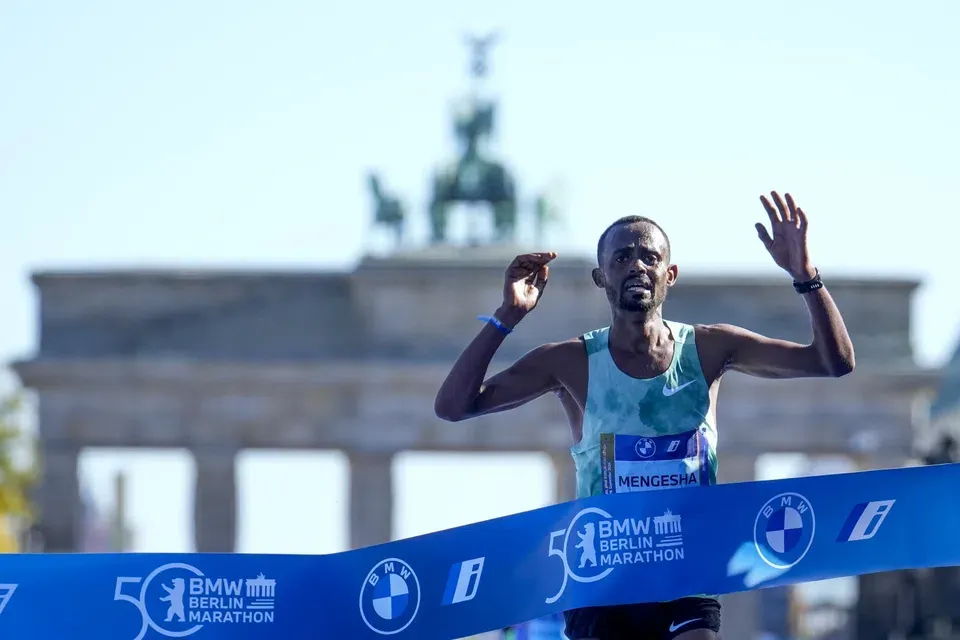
474, 179
388, 210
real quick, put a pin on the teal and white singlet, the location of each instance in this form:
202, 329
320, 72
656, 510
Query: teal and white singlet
645, 434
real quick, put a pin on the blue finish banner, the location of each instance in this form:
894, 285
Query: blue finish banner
638, 546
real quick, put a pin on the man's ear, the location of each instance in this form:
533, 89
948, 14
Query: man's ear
672, 273
597, 275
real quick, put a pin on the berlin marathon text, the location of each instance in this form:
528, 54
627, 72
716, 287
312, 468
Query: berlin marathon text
635, 551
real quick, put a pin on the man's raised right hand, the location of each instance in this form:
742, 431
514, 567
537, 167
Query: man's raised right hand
523, 285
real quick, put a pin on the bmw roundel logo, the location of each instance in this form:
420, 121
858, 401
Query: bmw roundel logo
390, 597
784, 529
645, 447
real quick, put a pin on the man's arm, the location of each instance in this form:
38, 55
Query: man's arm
829, 355
464, 394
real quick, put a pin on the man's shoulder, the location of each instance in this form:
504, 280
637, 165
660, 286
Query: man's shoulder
721, 336
559, 355
564, 348
558, 359
717, 331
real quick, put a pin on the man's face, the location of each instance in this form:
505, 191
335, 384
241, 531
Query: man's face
634, 267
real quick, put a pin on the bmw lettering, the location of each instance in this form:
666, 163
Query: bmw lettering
178, 600
784, 529
595, 543
390, 597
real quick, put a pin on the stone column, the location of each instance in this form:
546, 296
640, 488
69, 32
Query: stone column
57, 498
565, 472
740, 613
371, 498
215, 500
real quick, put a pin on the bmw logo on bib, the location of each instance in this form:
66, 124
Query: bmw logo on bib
645, 447
390, 597
784, 530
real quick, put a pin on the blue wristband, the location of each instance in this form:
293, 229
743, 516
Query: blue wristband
499, 325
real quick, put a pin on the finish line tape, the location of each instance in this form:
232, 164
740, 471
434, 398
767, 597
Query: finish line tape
606, 550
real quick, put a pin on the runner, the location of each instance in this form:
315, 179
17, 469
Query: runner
670, 369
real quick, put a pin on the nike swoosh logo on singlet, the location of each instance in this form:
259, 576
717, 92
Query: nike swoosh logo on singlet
667, 391
674, 627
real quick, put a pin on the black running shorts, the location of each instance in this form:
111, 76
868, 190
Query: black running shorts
647, 621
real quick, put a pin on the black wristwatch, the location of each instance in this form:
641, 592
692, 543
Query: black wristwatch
810, 285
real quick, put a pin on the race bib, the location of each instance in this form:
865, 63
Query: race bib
638, 463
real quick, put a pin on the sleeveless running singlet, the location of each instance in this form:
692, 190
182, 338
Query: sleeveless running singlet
645, 434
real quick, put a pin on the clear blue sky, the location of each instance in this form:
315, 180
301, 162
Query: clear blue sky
237, 134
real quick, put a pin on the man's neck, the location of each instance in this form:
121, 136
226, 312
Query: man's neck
638, 332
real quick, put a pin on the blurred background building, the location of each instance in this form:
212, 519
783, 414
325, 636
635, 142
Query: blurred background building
220, 361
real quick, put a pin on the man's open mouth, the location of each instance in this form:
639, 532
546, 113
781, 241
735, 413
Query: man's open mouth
635, 285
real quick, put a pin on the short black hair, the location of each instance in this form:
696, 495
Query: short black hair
630, 220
